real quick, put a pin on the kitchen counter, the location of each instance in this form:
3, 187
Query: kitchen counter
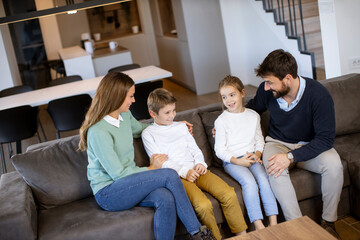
105, 58
77, 62
103, 51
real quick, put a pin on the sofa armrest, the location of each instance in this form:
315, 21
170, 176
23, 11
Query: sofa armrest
18, 214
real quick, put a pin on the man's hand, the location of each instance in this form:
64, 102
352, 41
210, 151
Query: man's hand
277, 164
245, 161
200, 169
157, 160
189, 126
192, 175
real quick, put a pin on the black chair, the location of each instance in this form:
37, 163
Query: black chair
15, 90
139, 108
63, 80
21, 89
69, 113
17, 124
125, 67
58, 66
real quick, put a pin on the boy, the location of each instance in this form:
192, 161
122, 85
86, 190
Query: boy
184, 156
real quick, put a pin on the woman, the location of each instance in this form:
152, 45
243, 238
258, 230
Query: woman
117, 183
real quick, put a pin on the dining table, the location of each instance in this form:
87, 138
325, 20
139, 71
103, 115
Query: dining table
45, 95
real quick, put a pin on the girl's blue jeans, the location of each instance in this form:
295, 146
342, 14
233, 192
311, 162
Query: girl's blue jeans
160, 189
249, 179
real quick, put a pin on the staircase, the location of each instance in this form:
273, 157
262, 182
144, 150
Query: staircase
302, 22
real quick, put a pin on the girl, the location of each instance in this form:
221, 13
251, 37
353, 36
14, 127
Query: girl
239, 143
117, 183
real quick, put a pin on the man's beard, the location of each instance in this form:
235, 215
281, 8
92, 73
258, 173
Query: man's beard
282, 92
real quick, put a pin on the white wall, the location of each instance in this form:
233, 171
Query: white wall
340, 32
10, 75
197, 56
251, 34
207, 43
76, 23
174, 52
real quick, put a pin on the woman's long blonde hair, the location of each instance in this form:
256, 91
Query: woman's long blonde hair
109, 96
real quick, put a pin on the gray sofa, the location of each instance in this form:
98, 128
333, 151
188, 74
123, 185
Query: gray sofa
49, 196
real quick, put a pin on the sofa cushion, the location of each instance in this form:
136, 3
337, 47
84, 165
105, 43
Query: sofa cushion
348, 148
208, 119
84, 219
18, 213
345, 93
57, 174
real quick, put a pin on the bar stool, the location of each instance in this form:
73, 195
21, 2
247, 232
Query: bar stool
68, 113
17, 124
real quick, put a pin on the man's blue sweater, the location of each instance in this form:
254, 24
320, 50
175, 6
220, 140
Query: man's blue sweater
312, 120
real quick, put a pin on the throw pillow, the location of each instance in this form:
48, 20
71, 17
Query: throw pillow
57, 174
208, 119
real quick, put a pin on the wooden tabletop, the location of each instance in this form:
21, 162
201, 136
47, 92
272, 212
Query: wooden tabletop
104, 51
89, 86
298, 229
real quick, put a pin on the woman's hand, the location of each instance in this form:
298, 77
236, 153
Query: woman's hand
200, 169
157, 160
192, 175
189, 126
245, 161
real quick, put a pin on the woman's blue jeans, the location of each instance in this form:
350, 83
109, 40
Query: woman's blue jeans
161, 189
249, 179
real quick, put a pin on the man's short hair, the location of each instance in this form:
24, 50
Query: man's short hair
278, 63
159, 98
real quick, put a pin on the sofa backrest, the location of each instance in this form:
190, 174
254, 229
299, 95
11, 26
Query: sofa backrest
345, 92
56, 173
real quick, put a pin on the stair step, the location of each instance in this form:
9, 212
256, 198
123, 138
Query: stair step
313, 40
320, 73
311, 20
319, 56
309, 10
311, 25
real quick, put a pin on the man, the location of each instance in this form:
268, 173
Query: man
301, 133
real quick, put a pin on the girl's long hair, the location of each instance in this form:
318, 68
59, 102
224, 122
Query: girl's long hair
109, 96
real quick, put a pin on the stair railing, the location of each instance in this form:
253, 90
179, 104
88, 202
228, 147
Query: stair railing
286, 14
